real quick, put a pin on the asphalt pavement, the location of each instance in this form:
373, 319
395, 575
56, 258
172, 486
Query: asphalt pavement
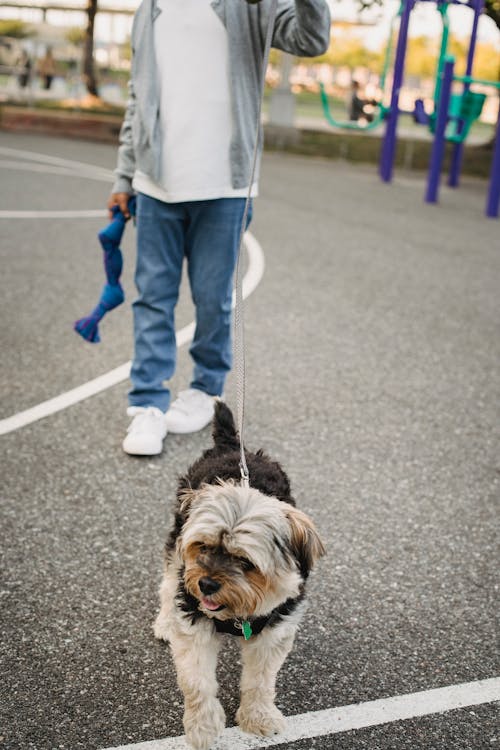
372, 375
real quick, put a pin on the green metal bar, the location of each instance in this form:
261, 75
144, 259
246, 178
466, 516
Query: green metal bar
482, 82
388, 52
443, 10
347, 124
382, 111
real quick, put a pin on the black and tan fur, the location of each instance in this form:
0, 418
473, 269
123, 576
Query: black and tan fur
235, 556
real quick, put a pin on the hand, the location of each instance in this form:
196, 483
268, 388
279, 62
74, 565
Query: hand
121, 200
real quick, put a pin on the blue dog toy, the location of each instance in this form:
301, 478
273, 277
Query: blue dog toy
112, 294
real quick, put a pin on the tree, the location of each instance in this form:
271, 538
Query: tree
421, 57
89, 72
76, 36
486, 62
349, 50
15, 29
492, 9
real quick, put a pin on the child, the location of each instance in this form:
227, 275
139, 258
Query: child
185, 148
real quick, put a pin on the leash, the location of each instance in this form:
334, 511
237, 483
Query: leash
239, 327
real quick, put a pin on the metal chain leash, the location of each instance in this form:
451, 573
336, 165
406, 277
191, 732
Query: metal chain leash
239, 327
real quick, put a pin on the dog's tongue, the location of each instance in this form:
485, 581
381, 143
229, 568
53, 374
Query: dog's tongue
209, 604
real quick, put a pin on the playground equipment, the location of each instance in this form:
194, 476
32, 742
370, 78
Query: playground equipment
382, 110
348, 124
453, 114
446, 115
465, 107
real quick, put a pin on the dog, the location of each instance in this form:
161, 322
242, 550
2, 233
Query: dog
236, 563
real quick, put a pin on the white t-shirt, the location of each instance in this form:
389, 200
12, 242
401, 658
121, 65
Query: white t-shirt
192, 60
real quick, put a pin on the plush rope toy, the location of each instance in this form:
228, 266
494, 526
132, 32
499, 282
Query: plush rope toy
112, 294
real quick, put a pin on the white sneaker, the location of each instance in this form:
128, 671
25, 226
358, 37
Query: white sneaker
191, 411
146, 432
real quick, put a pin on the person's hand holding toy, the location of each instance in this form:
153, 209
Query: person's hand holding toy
121, 207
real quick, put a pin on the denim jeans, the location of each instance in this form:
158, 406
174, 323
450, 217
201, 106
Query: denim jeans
206, 233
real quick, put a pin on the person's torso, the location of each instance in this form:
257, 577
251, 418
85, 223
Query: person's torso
192, 64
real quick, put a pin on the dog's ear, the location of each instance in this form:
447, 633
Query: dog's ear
305, 541
186, 497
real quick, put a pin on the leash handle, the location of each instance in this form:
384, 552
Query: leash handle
239, 326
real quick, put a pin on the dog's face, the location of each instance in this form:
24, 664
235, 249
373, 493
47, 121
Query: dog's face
243, 552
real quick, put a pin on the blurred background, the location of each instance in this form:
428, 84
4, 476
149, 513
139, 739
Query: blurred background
75, 55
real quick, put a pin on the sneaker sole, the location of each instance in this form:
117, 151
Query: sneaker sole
142, 451
184, 431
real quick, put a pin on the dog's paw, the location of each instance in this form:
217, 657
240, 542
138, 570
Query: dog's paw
204, 725
160, 629
260, 718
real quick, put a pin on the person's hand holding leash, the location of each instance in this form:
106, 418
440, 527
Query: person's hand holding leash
121, 200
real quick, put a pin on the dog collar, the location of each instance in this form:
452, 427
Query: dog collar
246, 629
254, 626
242, 628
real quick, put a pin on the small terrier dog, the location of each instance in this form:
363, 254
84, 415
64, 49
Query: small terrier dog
236, 563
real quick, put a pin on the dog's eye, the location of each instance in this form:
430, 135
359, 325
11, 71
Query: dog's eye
246, 564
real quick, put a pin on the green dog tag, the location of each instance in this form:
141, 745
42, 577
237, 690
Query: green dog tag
247, 629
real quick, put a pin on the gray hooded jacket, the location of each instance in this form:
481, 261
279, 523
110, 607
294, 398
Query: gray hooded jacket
301, 28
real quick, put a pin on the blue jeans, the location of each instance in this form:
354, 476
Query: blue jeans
206, 233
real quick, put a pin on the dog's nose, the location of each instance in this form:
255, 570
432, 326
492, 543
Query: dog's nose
208, 586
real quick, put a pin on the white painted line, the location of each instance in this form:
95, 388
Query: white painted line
56, 160
69, 398
113, 377
34, 167
26, 166
347, 718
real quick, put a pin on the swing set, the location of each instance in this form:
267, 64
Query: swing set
461, 111
382, 110
464, 108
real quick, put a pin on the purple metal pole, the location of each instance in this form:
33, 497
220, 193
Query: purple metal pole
389, 142
437, 152
458, 149
493, 202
